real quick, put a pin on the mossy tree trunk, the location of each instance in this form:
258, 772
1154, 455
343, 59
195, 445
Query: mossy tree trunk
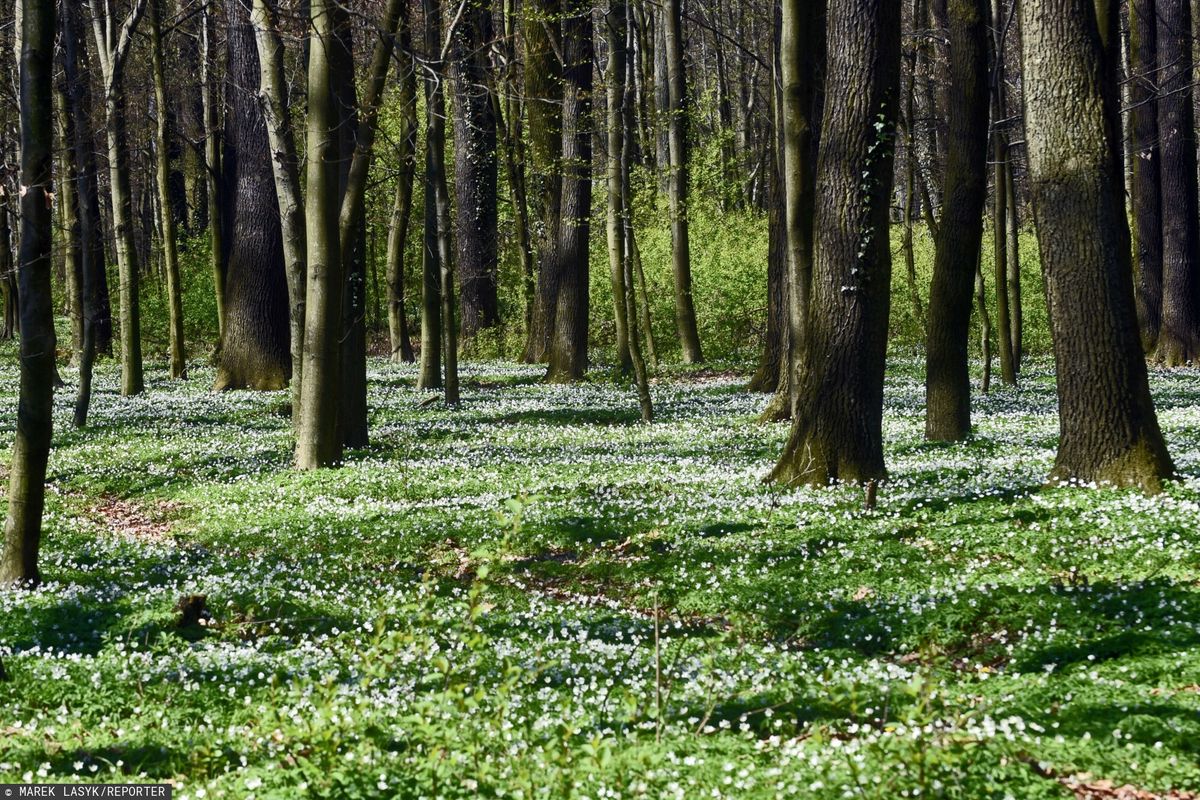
35, 410
406, 158
947, 375
1108, 431
838, 420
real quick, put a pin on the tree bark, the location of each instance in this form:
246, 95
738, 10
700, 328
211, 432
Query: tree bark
285, 167
1179, 334
212, 161
569, 346
1147, 185
431, 266
837, 429
947, 375
1108, 429
178, 356
35, 410
113, 45
615, 23
406, 154
318, 443
475, 170
681, 259
256, 349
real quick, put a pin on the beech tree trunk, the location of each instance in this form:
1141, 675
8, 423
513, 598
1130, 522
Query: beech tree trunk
1179, 333
318, 443
569, 346
947, 375
614, 76
256, 348
837, 429
431, 266
35, 417
212, 161
112, 44
1108, 431
406, 157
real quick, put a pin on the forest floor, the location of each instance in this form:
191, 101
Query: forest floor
536, 596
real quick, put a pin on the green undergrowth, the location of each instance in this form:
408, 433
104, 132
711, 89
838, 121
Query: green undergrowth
536, 596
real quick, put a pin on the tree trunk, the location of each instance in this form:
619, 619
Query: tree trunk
475, 170
614, 77
285, 167
544, 105
1179, 334
113, 47
178, 357
406, 158
256, 349
318, 443
947, 374
1108, 429
431, 266
837, 429
1013, 283
1147, 184
68, 206
569, 346
1001, 200
212, 162
35, 409
681, 259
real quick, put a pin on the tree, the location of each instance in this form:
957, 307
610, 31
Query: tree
1108, 431
431, 267
681, 266
35, 417
569, 345
406, 158
838, 419
317, 441
255, 350
947, 379
475, 169
112, 44
212, 159
178, 356
1147, 187
285, 167
1179, 333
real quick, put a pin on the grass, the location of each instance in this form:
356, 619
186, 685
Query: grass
535, 596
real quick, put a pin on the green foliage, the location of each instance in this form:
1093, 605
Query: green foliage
199, 304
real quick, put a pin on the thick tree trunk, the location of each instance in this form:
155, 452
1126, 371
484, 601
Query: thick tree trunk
681, 258
318, 443
35, 410
1147, 184
837, 430
475, 170
1108, 429
113, 46
947, 375
1179, 334
178, 356
569, 345
256, 349
285, 167
544, 105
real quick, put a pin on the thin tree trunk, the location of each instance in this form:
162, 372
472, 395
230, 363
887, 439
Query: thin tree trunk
1016, 308
431, 267
1108, 430
614, 77
212, 161
285, 166
113, 46
406, 154
318, 443
1000, 156
178, 356
35, 409
985, 328
681, 259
